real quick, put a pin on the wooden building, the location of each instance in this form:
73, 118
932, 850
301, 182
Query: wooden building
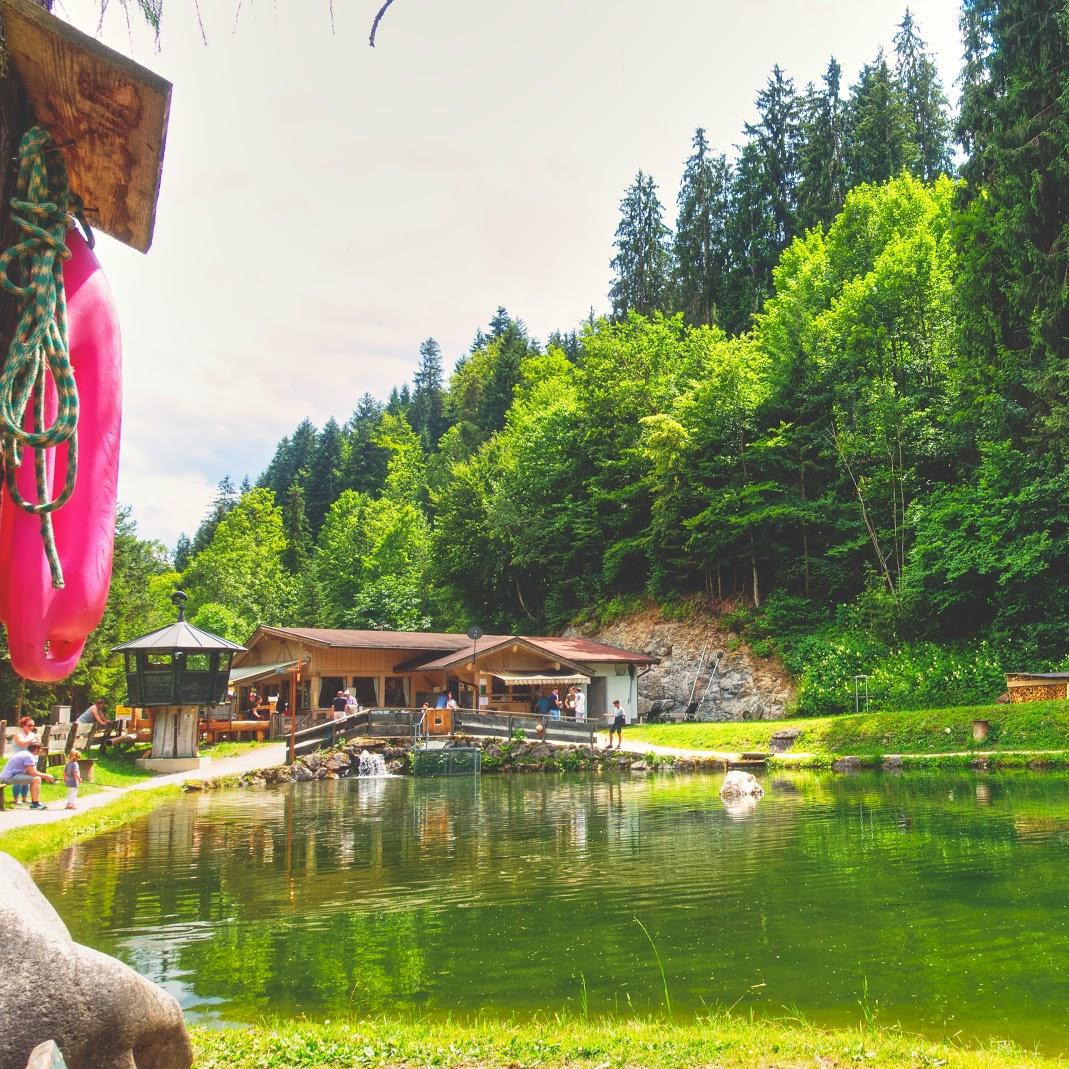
1037, 686
404, 669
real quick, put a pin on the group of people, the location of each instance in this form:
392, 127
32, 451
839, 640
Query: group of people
21, 773
572, 705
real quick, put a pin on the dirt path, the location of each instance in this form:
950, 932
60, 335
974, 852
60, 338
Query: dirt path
261, 757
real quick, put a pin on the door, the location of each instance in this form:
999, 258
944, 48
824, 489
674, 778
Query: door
596, 698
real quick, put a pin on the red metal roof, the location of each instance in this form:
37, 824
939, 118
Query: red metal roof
569, 649
583, 649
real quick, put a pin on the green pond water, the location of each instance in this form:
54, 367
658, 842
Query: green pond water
943, 896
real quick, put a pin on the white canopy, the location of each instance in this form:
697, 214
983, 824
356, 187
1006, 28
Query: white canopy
518, 678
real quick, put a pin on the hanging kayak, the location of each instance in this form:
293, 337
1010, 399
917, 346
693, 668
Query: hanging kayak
47, 626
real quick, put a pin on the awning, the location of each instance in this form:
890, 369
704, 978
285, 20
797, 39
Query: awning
253, 673
518, 678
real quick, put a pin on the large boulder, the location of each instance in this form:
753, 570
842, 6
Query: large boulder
738, 784
101, 1013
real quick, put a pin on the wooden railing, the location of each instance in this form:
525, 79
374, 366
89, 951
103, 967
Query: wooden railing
533, 726
403, 724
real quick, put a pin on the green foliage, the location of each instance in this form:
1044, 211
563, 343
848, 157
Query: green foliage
242, 567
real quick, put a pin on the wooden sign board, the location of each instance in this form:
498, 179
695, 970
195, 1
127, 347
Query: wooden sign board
108, 113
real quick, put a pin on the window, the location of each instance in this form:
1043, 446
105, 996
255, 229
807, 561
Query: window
396, 692
328, 689
366, 690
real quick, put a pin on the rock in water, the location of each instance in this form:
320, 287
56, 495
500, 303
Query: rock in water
740, 785
101, 1013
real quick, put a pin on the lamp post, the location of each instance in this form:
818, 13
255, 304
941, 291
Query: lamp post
174, 671
295, 678
475, 633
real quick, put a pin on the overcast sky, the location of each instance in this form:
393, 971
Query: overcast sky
325, 206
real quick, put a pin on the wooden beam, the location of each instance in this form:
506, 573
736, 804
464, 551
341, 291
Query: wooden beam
108, 113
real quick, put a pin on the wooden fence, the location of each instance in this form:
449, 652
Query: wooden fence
59, 739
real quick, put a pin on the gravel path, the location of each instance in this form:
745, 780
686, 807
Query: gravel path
261, 757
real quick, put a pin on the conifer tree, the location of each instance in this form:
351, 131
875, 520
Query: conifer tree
928, 107
322, 483
642, 264
701, 246
427, 395
363, 466
1015, 122
775, 138
752, 240
183, 551
882, 140
822, 152
226, 497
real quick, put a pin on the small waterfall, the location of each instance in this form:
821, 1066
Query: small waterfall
371, 764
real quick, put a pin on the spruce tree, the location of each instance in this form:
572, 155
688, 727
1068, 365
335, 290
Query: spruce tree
822, 152
701, 246
642, 264
928, 107
322, 484
1015, 123
226, 497
363, 466
752, 241
775, 138
881, 130
427, 395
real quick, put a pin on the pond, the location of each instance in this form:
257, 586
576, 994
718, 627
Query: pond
935, 901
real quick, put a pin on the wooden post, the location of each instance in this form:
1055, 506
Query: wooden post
295, 678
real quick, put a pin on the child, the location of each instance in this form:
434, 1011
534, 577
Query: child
72, 777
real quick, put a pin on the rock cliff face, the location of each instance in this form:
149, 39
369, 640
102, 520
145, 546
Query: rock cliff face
734, 684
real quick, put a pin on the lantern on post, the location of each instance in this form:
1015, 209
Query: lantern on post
176, 671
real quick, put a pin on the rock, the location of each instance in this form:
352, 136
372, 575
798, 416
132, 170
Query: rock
101, 1013
783, 740
302, 774
738, 784
846, 764
893, 763
639, 766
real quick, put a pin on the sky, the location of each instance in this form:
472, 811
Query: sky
325, 206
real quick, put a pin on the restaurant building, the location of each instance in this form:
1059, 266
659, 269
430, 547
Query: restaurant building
404, 669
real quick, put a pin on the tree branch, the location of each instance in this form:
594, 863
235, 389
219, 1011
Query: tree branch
378, 19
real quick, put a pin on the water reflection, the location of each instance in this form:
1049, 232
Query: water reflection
943, 893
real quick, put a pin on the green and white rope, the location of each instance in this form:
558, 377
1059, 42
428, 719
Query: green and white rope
32, 271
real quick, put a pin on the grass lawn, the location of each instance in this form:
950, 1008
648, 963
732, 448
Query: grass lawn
232, 749
29, 843
720, 1040
1028, 726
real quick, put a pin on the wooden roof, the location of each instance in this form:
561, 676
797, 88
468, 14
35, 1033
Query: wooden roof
444, 648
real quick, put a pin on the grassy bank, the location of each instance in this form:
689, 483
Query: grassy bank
1030, 726
27, 844
719, 1039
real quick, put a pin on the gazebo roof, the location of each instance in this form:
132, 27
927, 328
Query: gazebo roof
180, 636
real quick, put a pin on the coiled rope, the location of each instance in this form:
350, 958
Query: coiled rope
32, 270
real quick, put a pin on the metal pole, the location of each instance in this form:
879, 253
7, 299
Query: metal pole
293, 708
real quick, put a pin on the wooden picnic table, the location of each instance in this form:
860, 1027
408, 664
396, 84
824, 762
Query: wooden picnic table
214, 730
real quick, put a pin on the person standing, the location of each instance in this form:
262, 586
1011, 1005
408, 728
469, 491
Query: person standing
618, 721
554, 704
72, 778
95, 714
21, 768
580, 704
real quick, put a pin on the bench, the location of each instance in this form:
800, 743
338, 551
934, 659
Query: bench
214, 730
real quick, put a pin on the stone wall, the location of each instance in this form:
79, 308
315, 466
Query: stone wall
742, 686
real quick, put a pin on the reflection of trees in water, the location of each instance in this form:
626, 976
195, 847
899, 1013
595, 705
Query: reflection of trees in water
369, 895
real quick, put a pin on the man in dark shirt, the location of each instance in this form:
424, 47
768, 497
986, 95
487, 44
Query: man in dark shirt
341, 700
